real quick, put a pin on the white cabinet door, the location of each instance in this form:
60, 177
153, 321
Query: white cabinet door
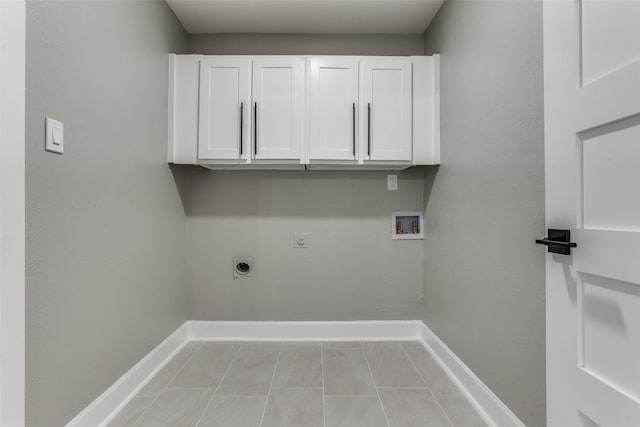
223, 130
278, 101
386, 109
333, 103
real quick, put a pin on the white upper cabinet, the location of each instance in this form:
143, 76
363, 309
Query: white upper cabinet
278, 101
386, 109
225, 96
333, 106
294, 112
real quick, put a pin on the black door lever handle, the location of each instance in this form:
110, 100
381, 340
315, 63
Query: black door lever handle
558, 242
548, 242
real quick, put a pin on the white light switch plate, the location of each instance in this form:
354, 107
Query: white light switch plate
54, 138
392, 182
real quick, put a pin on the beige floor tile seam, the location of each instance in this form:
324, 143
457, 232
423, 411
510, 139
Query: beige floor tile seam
273, 376
182, 387
384, 411
351, 395
459, 394
218, 386
403, 388
262, 395
168, 382
297, 388
424, 380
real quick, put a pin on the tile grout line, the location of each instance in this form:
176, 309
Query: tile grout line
441, 408
427, 384
218, 386
352, 395
324, 411
297, 388
168, 382
424, 380
182, 387
403, 388
273, 376
384, 411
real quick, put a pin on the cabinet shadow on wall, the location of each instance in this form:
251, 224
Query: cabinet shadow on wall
299, 193
430, 174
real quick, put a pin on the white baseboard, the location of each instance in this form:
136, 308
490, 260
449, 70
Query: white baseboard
490, 407
393, 330
109, 403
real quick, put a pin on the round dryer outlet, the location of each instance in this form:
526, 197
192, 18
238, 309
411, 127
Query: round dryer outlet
242, 266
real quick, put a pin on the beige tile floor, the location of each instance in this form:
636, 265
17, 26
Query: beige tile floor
331, 384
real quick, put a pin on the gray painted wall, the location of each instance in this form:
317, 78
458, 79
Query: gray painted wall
105, 225
484, 276
352, 269
306, 44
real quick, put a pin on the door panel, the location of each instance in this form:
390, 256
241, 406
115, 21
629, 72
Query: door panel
333, 105
608, 36
609, 315
604, 405
386, 109
592, 129
224, 96
278, 93
609, 177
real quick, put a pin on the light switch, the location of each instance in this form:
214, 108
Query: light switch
54, 137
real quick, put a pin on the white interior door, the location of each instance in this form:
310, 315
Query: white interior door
223, 130
592, 145
278, 101
386, 109
333, 103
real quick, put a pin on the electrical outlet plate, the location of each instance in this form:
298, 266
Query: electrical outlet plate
301, 240
392, 182
242, 266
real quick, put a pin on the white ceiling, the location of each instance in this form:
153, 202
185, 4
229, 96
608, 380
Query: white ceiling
305, 16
